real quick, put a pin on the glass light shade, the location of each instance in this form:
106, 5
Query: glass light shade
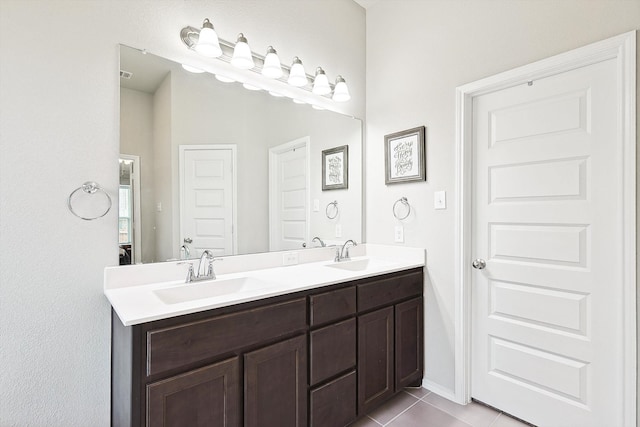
242, 57
250, 86
341, 91
224, 79
276, 94
208, 44
271, 67
297, 76
321, 83
298, 101
192, 69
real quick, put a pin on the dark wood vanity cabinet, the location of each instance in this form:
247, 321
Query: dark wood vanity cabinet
390, 337
319, 358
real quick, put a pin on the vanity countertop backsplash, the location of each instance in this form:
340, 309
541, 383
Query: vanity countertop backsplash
147, 292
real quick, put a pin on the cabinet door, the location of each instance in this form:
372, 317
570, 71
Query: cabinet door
409, 343
208, 396
276, 385
375, 358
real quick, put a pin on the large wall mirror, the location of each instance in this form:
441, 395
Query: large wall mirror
211, 165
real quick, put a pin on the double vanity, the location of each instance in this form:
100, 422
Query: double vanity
277, 339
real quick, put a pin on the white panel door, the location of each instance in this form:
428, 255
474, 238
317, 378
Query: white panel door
207, 200
547, 329
289, 210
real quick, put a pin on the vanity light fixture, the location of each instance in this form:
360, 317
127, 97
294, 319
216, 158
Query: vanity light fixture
249, 86
224, 79
242, 57
321, 83
298, 101
272, 67
341, 91
192, 69
276, 94
208, 44
297, 76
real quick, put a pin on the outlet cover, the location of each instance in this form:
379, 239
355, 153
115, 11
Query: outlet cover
289, 258
399, 234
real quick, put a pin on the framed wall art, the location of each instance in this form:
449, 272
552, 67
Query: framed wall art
404, 156
335, 168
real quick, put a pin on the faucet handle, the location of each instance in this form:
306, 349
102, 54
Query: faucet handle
190, 273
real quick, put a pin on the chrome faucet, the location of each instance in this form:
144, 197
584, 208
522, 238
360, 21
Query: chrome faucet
342, 254
319, 241
184, 249
196, 277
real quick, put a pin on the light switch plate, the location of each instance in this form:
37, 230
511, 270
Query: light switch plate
338, 230
399, 234
440, 200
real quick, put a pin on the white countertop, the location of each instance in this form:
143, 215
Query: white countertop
133, 290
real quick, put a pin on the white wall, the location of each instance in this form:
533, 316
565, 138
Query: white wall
59, 115
417, 53
136, 138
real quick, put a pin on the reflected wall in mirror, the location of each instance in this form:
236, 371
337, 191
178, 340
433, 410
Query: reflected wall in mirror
217, 164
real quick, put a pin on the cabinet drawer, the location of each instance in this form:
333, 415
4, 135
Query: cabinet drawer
388, 290
334, 404
333, 350
332, 305
176, 346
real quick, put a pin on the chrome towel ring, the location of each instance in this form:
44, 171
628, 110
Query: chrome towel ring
335, 210
405, 202
89, 187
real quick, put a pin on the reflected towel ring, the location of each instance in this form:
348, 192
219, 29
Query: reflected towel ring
335, 206
89, 187
405, 202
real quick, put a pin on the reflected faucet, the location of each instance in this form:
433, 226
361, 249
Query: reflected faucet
343, 254
184, 249
319, 241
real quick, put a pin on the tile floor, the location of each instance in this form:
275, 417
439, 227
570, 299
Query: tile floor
421, 408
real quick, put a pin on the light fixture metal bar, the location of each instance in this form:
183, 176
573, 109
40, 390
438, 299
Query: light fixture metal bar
187, 33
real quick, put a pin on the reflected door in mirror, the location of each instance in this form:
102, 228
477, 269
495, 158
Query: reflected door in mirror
207, 195
289, 195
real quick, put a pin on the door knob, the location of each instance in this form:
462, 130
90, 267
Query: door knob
479, 264
188, 240
304, 245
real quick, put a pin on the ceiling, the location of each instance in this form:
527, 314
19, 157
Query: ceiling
367, 3
148, 70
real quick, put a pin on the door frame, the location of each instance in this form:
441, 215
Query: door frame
305, 141
622, 48
234, 189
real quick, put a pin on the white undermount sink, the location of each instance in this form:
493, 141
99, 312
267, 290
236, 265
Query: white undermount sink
211, 288
355, 265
